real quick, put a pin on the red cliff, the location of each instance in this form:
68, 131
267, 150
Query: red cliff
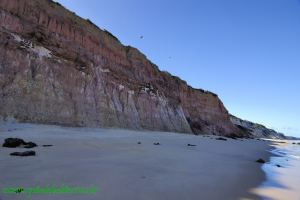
56, 67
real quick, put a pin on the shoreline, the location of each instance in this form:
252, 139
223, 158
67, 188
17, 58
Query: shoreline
114, 162
281, 172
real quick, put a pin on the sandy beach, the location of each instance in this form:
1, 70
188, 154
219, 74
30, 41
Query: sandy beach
112, 161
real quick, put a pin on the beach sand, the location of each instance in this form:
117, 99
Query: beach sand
120, 168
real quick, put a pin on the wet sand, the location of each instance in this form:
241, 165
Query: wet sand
120, 168
283, 181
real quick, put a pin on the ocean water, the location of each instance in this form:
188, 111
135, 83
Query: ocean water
282, 173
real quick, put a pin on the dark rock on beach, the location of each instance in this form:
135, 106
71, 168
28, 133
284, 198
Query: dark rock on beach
156, 143
22, 154
261, 161
30, 145
191, 145
17, 142
220, 138
47, 145
13, 142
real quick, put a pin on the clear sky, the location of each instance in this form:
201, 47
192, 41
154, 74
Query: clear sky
246, 51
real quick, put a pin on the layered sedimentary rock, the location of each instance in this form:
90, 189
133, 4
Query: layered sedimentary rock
58, 68
256, 130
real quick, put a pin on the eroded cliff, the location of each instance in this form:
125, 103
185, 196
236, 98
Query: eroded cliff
256, 130
56, 67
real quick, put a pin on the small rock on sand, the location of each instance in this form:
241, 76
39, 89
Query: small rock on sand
220, 138
191, 145
260, 160
156, 143
47, 145
25, 153
29, 145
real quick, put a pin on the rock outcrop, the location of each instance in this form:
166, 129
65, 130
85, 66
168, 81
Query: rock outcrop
23, 154
17, 142
256, 130
58, 68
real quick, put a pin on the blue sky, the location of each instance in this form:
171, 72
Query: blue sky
246, 51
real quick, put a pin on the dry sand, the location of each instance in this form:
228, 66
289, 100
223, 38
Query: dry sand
111, 160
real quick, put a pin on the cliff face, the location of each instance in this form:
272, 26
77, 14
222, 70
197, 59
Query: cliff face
256, 130
58, 68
